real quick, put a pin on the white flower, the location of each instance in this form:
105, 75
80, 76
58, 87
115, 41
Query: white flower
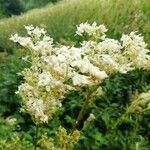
81, 28
38, 32
82, 64
44, 119
102, 28
44, 79
133, 40
80, 80
14, 37
88, 46
100, 75
23, 41
39, 108
53, 67
109, 61
90, 29
43, 46
29, 27
76, 53
110, 46
61, 58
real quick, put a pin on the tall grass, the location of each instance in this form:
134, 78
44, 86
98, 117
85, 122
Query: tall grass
120, 16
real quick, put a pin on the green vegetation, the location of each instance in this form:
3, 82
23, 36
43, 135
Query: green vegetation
16, 7
60, 20
8, 8
30, 4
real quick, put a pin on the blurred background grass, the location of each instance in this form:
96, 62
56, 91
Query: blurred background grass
60, 20
16, 7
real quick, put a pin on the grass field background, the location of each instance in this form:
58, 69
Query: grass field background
60, 19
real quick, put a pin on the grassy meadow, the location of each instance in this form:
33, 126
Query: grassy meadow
60, 19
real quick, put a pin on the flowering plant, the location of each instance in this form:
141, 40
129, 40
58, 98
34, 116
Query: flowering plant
56, 70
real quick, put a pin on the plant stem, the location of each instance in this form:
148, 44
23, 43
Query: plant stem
36, 137
84, 106
122, 118
119, 120
130, 109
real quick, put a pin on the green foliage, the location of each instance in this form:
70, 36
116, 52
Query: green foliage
30, 4
9, 7
9, 81
16, 7
133, 131
10, 139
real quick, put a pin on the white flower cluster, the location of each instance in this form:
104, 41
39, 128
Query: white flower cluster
140, 102
112, 55
66, 141
91, 30
58, 69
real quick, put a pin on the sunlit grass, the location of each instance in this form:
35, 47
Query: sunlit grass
60, 19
